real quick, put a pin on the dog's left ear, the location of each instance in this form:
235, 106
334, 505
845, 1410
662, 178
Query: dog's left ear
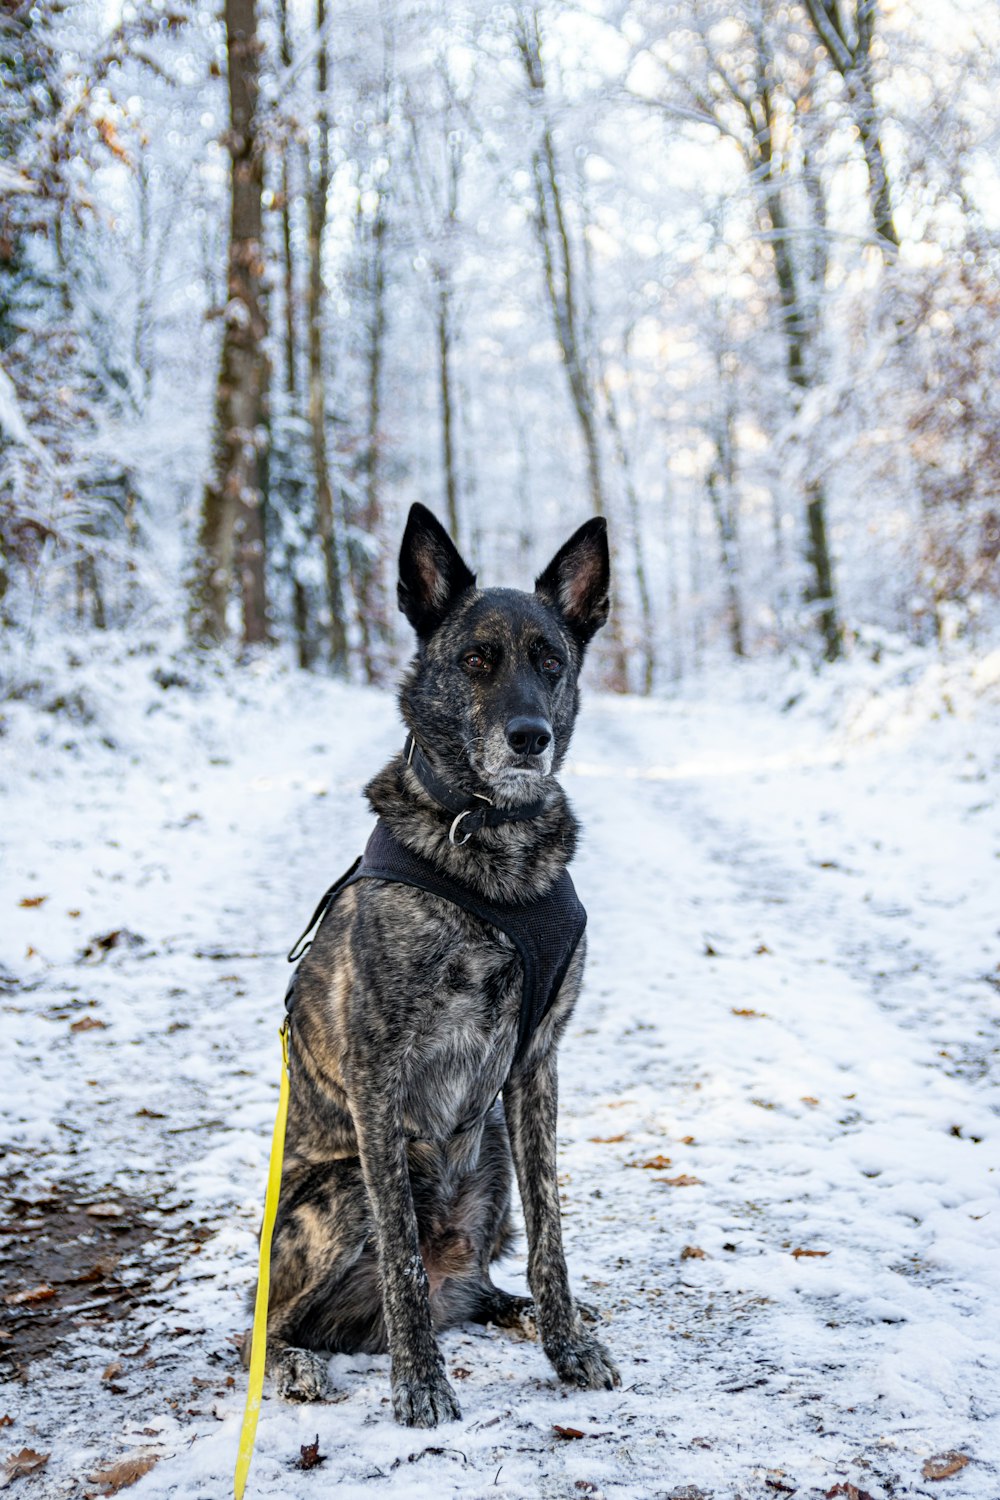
576, 580
432, 574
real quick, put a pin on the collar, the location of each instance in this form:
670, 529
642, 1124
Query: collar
472, 812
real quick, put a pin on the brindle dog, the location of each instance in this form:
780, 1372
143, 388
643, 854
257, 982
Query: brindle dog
406, 1011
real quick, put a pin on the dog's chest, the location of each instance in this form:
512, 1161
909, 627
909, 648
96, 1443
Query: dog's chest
462, 1036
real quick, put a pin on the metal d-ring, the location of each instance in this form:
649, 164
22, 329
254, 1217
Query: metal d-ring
451, 831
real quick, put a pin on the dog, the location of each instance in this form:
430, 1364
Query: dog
416, 1083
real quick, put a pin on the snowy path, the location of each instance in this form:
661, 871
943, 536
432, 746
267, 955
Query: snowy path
785, 1000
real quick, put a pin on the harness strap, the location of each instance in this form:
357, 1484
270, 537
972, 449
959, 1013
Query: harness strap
258, 1346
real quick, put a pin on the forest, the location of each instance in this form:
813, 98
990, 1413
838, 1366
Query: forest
725, 274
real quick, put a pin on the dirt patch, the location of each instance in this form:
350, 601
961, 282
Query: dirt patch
72, 1258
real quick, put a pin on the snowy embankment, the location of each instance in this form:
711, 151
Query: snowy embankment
779, 1119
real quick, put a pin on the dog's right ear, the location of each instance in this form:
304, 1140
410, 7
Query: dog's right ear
432, 575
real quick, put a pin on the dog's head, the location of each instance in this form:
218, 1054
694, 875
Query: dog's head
492, 690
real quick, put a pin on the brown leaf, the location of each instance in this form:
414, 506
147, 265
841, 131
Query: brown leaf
808, 1099
606, 1140
683, 1179
656, 1163
32, 901
25, 1462
111, 1370
849, 1492
311, 1457
105, 1210
801, 1254
33, 1294
944, 1465
746, 1011
122, 1475
89, 1023
693, 1252
460, 1372
6, 1420
148, 1114
567, 1432
762, 948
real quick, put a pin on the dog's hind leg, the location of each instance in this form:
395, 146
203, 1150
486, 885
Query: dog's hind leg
319, 1237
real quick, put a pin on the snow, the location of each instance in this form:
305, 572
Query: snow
791, 994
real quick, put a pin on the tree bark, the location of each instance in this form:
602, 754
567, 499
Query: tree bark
560, 286
852, 59
232, 523
325, 514
371, 614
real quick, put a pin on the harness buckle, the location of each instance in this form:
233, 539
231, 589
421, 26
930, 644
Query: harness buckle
454, 829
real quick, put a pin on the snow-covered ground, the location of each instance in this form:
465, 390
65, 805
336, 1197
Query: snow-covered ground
779, 1134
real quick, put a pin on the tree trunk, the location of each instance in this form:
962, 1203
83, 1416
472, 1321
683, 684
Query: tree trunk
852, 60
721, 486
447, 404
288, 263
560, 285
371, 613
325, 516
231, 520
819, 591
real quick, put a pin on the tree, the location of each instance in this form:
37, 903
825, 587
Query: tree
232, 530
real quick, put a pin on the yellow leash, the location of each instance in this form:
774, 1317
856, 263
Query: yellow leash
258, 1347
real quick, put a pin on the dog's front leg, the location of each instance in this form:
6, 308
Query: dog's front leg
421, 1394
530, 1102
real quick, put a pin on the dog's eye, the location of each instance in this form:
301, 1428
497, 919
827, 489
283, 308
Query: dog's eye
476, 661
551, 665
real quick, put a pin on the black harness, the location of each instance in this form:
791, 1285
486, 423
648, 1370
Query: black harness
545, 930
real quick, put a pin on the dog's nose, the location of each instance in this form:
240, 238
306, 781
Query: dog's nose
529, 736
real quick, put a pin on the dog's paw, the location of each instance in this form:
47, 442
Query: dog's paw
584, 1361
514, 1313
301, 1375
424, 1403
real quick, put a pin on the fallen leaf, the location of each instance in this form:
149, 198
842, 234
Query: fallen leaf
808, 1099
849, 1492
121, 1476
149, 1114
684, 1179
460, 1372
311, 1457
693, 1252
111, 1370
762, 948
944, 1465
74, 912
25, 1462
32, 901
105, 1210
89, 1023
801, 1254
709, 951
6, 1420
33, 1294
746, 1011
656, 1163
606, 1140
687, 1140
567, 1432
